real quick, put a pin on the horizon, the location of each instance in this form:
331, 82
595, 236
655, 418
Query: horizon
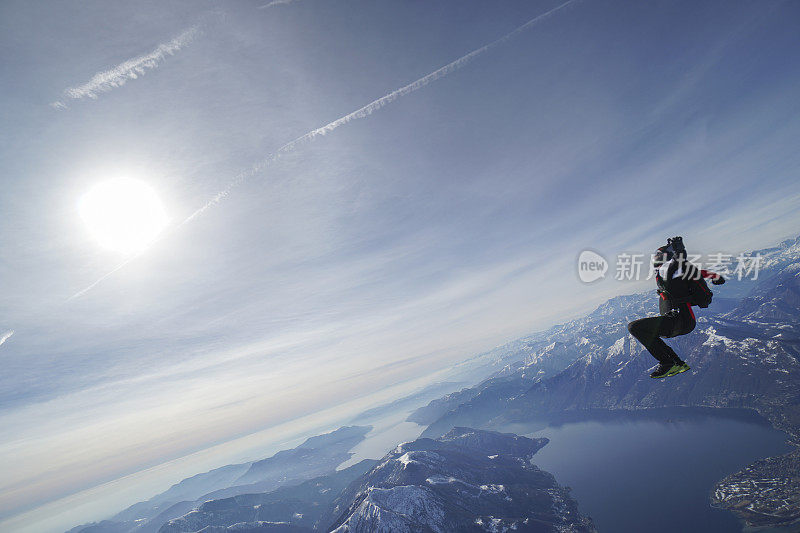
346, 200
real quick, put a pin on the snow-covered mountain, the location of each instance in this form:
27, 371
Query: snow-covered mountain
745, 352
467, 480
291, 508
744, 355
317, 456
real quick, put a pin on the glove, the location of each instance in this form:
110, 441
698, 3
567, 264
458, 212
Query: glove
719, 280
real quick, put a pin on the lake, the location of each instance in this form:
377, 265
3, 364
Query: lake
652, 471
387, 432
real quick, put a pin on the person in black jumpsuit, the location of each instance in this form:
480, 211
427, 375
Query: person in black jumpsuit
673, 272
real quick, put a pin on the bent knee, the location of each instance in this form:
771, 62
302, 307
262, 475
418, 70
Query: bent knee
682, 329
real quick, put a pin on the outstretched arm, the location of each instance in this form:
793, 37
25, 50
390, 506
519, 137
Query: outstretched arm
692, 272
715, 278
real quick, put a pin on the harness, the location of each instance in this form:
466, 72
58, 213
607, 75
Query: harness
697, 291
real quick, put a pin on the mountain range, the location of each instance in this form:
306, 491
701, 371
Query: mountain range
317, 456
442, 485
744, 353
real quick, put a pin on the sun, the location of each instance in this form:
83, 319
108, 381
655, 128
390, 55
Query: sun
123, 214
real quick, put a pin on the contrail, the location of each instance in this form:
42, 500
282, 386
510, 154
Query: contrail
103, 278
371, 107
128, 70
360, 113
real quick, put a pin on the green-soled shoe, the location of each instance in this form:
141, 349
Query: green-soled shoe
662, 370
677, 369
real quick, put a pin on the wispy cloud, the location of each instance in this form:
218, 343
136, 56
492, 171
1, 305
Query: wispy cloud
7, 335
360, 113
277, 3
129, 70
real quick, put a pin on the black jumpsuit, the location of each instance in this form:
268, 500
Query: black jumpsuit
676, 318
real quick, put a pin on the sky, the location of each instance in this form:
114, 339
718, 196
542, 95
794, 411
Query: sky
360, 194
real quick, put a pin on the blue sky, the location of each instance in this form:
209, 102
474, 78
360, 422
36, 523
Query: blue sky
442, 224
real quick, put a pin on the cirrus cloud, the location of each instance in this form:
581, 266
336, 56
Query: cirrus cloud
131, 69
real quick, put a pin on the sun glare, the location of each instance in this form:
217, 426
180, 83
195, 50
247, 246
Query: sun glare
123, 214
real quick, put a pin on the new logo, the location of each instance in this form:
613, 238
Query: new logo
591, 266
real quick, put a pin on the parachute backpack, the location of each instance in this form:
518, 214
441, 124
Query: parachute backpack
699, 293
